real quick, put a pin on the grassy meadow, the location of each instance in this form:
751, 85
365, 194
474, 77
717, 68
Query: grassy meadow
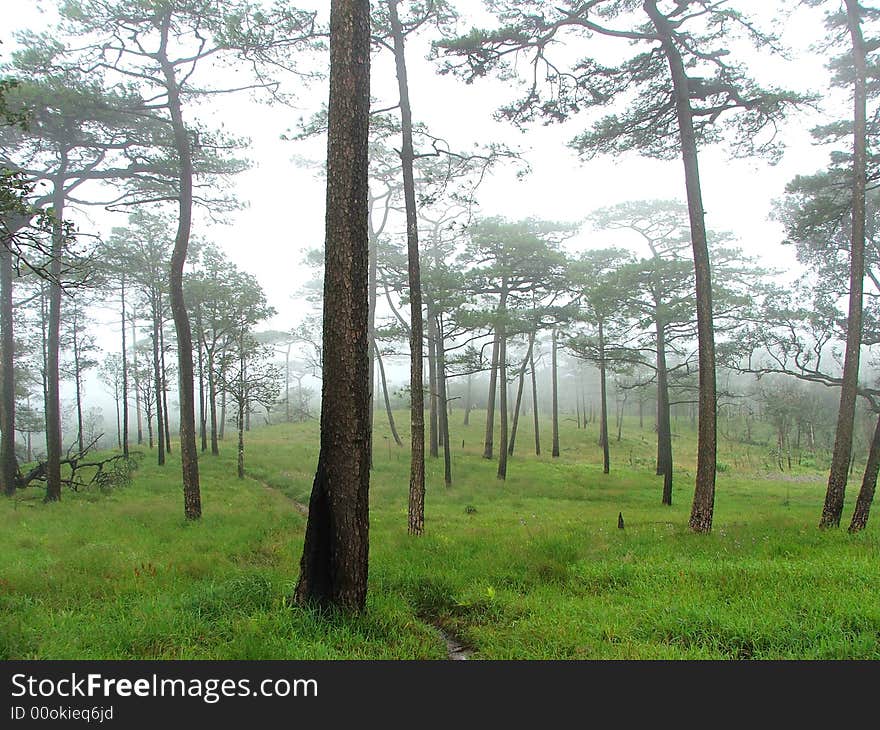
534, 567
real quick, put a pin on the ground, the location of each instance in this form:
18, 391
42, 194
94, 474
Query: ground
534, 567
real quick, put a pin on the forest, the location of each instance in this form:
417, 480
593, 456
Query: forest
430, 329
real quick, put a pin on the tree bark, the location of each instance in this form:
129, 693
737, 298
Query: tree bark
703, 506
840, 458
157, 375
163, 400
467, 401
443, 405
554, 405
203, 406
77, 380
333, 569
407, 156
433, 415
8, 462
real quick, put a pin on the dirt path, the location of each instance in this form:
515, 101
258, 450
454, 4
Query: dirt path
298, 506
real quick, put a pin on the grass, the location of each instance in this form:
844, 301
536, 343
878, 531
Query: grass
533, 567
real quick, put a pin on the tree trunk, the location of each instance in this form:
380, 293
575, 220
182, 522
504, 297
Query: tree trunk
433, 416
137, 385
157, 374
664, 428
603, 404
333, 569
467, 401
77, 380
519, 392
53, 347
242, 404
124, 370
443, 405
212, 401
163, 402
203, 405
407, 156
189, 457
840, 459
554, 405
488, 445
391, 423
502, 384
8, 462
535, 402
703, 505
869, 483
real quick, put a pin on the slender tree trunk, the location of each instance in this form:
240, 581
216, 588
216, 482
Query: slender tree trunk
163, 402
388, 410
555, 395
212, 401
118, 416
189, 456
664, 428
137, 384
124, 369
433, 416
603, 404
467, 400
333, 569
519, 393
157, 374
77, 380
502, 384
407, 156
488, 445
53, 347
203, 406
8, 462
222, 425
242, 403
443, 403
703, 505
535, 414
840, 458
869, 483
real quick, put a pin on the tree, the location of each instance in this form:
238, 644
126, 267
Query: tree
333, 568
673, 110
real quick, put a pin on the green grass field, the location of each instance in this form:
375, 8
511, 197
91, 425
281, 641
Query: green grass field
533, 567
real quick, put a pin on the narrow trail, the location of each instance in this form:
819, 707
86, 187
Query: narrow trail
298, 506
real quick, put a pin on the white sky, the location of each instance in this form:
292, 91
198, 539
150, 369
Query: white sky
286, 202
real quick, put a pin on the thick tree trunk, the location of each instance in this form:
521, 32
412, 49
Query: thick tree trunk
603, 404
488, 445
869, 484
535, 402
407, 156
333, 569
53, 347
8, 462
554, 404
519, 392
840, 458
703, 506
